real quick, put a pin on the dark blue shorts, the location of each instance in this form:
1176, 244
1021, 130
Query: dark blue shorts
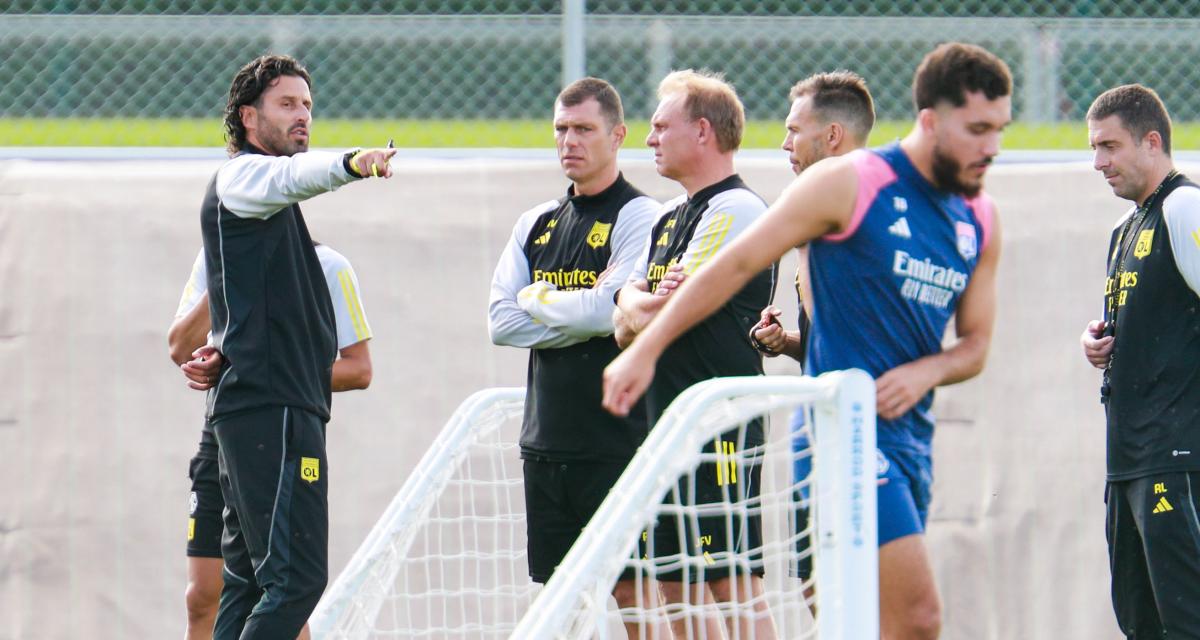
903, 494
906, 479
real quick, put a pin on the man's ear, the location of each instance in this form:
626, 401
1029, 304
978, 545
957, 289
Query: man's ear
834, 136
1154, 139
249, 117
704, 130
619, 132
927, 119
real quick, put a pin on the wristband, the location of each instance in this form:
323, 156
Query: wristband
349, 164
760, 346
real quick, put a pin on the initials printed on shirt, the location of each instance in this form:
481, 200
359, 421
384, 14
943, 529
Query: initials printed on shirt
598, 236
665, 238
310, 469
1145, 238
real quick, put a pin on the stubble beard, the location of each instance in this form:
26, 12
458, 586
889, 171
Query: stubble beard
947, 174
278, 143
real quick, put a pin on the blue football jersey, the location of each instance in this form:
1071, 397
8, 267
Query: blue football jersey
885, 288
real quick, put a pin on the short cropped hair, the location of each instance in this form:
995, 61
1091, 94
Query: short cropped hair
1140, 110
950, 71
250, 82
711, 98
840, 96
596, 89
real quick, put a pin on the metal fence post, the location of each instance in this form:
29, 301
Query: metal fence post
574, 49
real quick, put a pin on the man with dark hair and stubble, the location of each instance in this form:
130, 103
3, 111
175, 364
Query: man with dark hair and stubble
901, 239
1148, 346
831, 115
552, 293
273, 325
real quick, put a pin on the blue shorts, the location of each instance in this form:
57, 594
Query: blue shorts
903, 496
904, 491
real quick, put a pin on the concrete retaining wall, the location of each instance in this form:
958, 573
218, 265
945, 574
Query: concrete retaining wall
96, 426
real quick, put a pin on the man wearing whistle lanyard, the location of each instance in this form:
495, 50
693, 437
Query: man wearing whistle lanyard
1148, 345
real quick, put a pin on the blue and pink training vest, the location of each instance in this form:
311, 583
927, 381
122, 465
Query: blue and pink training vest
885, 288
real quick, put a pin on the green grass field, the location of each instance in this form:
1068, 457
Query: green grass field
199, 132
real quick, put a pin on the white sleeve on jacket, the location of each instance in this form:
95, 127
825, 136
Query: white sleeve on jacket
509, 324
196, 285
1181, 211
348, 313
729, 214
587, 313
257, 186
642, 266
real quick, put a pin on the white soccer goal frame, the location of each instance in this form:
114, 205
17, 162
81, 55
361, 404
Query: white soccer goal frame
843, 507
356, 597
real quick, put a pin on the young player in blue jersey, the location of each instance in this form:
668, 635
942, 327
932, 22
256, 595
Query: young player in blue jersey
901, 239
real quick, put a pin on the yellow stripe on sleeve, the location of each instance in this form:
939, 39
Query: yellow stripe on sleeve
351, 296
714, 239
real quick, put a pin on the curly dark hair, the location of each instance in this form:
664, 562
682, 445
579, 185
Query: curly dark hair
951, 70
247, 89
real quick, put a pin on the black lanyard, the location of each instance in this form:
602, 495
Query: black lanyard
1125, 243
1127, 239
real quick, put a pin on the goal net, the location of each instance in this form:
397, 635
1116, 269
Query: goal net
704, 508
447, 558
714, 533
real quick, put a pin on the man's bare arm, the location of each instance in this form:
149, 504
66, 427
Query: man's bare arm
637, 306
899, 389
353, 369
820, 201
189, 331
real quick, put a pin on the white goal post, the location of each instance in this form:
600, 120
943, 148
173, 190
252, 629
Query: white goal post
447, 558
574, 601
469, 479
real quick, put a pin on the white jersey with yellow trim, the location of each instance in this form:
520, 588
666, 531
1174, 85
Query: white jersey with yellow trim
352, 325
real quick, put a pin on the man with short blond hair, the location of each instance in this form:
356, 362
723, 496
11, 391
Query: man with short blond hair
695, 132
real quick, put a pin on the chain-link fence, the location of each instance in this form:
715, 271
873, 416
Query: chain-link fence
484, 72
